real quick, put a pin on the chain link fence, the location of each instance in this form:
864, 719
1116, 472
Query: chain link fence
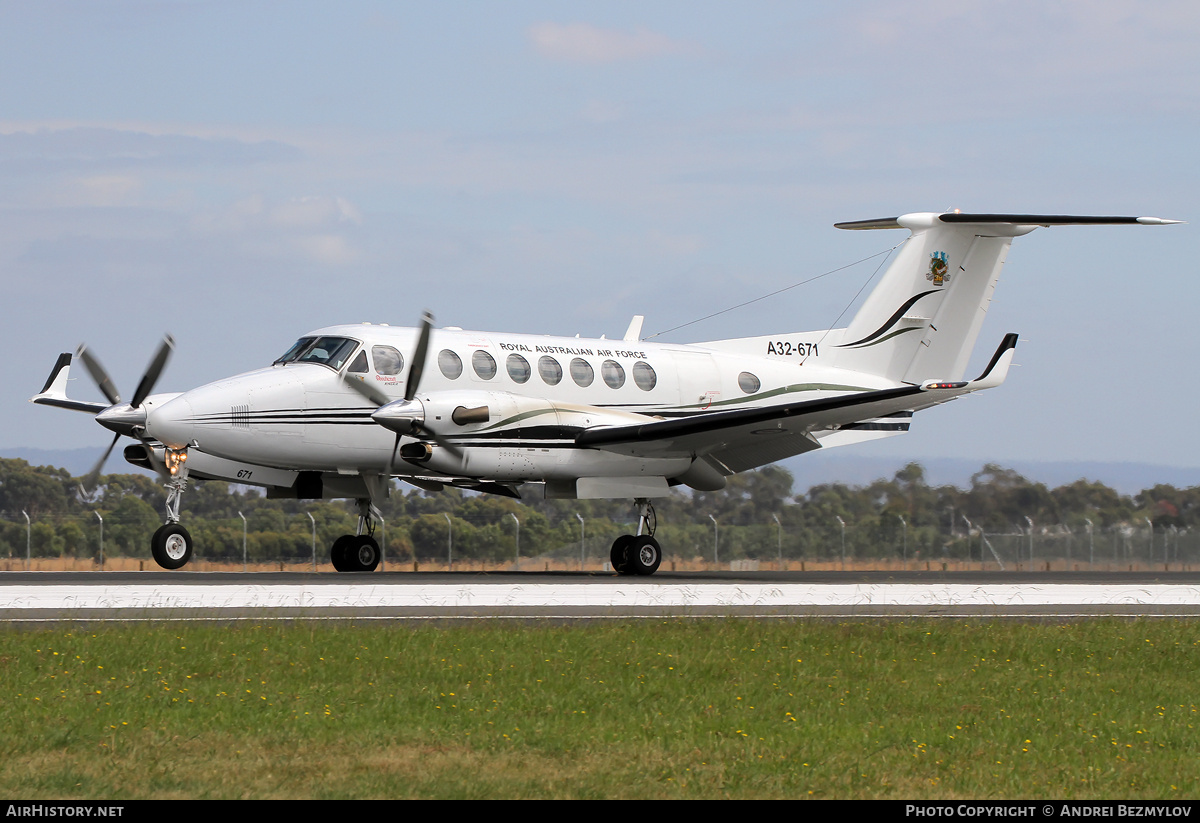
273, 540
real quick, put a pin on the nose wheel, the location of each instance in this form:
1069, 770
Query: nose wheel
171, 546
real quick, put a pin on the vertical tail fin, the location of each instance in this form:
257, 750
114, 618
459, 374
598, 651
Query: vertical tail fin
923, 318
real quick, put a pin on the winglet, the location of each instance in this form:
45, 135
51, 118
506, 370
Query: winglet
54, 393
993, 375
997, 368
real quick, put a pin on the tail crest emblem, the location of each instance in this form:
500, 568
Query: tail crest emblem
939, 270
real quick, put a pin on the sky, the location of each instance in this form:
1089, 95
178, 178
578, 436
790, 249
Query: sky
238, 173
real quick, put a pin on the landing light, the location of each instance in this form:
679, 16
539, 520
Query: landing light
174, 459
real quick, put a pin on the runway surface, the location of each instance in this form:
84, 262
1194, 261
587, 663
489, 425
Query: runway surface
40, 597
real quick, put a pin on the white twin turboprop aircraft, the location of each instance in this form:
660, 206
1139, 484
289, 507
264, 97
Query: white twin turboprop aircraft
347, 408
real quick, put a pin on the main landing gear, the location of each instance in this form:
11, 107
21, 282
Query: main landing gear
638, 553
358, 552
171, 545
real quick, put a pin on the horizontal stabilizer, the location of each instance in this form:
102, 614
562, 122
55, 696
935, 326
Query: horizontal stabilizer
1007, 220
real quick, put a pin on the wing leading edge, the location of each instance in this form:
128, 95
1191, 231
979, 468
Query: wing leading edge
761, 435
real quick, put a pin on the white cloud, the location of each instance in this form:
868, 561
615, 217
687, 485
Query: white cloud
584, 43
314, 210
101, 190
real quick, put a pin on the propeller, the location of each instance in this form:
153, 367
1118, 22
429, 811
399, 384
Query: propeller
404, 416
128, 419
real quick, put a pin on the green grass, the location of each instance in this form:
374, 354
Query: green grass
680, 709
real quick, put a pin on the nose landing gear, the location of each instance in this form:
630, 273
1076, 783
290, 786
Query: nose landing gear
171, 545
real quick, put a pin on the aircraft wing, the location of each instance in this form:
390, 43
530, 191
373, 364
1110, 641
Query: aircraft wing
745, 438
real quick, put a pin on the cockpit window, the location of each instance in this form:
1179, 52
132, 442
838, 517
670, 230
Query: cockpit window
359, 366
295, 350
328, 351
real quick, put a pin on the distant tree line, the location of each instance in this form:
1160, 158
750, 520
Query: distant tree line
757, 515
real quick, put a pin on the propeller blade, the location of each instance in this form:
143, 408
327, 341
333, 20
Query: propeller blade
103, 381
436, 438
367, 390
89, 481
392, 459
153, 371
418, 358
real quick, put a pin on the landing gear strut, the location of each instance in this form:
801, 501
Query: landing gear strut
171, 545
358, 552
638, 553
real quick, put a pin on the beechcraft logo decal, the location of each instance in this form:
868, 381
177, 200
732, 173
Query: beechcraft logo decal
939, 272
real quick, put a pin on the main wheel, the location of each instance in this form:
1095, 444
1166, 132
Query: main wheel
171, 546
643, 555
339, 553
363, 554
619, 554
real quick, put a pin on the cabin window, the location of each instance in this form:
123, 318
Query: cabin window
450, 364
581, 372
359, 366
550, 370
612, 373
387, 360
483, 364
748, 382
518, 368
644, 376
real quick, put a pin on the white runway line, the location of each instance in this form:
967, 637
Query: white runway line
623, 594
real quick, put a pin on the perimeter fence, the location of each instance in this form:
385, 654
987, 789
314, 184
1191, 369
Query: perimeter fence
49, 541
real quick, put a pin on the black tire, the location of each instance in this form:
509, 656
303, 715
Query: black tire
362, 554
339, 553
643, 555
171, 546
619, 554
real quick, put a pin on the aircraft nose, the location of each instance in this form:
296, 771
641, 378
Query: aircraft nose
173, 423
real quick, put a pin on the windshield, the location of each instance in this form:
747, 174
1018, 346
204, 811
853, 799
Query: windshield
328, 351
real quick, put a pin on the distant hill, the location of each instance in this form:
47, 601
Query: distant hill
1126, 478
77, 461
809, 470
